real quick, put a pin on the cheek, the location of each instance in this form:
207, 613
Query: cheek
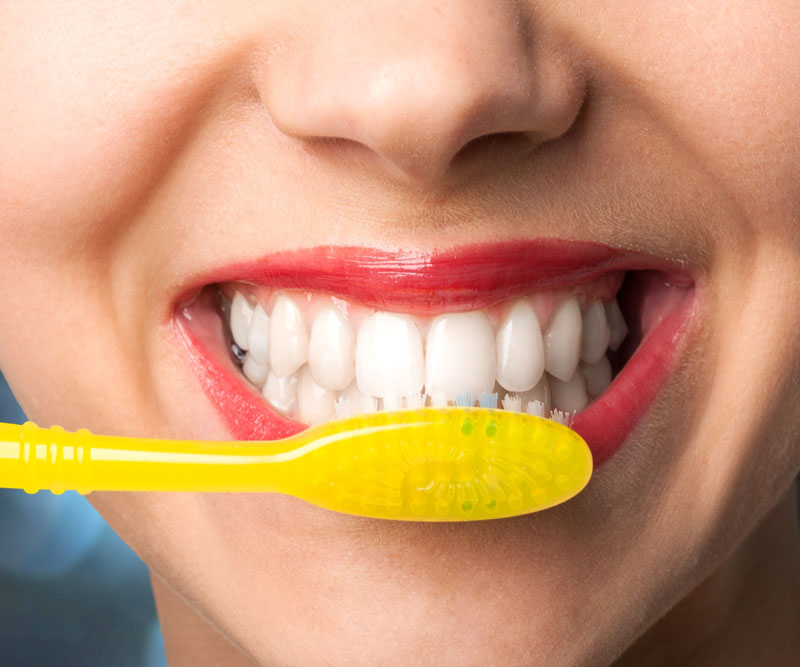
96, 113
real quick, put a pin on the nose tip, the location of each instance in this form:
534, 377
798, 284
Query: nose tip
416, 92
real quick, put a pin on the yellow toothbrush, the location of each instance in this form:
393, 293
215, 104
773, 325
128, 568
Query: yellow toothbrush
426, 464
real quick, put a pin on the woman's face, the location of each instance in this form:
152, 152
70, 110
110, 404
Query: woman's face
151, 148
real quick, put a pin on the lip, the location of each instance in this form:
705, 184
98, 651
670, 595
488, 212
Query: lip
424, 282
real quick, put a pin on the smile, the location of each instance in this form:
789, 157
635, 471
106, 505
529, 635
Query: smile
548, 327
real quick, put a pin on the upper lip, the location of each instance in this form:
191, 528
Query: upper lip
463, 277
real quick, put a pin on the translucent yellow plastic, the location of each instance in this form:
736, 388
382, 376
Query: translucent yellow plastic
449, 464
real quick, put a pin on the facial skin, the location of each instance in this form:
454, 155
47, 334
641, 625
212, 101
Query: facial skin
145, 143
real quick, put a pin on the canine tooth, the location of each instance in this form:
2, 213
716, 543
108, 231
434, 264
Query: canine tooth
258, 336
288, 348
596, 333
282, 393
460, 354
389, 357
241, 317
331, 349
562, 342
616, 324
315, 404
254, 371
520, 349
598, 376
569, 396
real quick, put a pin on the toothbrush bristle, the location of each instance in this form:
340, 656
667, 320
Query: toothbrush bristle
561, 417
465, 399
512, 403
415, 400
343, 407
535, 408
487, 400
438, 399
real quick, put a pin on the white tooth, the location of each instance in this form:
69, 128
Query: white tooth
616, 323
569, 396
241, 316
254, 371
288, 335
598, 376
562, 342
315, 404
520, 349
282, 393
594, 341
541, 393
389, 357
331, 349
258, 336
460, 355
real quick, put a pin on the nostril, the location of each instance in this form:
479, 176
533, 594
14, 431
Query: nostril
492, 145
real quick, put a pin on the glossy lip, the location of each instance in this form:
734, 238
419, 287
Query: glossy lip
466, 277
461, 278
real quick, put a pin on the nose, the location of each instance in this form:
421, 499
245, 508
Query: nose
414, 81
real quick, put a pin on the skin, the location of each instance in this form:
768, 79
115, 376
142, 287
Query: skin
147, 142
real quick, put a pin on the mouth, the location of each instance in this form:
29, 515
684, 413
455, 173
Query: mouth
548, 326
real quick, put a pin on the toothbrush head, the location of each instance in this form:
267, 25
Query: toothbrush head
443, 464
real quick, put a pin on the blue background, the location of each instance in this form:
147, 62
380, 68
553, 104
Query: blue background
71, 591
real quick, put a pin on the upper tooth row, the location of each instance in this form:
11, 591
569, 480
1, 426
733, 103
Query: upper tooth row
388, 358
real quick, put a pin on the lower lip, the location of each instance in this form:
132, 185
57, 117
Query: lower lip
605, 424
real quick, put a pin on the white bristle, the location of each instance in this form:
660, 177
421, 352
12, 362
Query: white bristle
535, 408
343, 407
415, 400
370, 404
561, 417
512, 403
438, 399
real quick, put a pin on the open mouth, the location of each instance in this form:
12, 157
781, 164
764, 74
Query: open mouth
547, 327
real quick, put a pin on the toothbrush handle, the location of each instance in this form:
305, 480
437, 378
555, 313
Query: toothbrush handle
34, 458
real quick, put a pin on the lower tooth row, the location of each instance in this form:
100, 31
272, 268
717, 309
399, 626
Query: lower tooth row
316, 373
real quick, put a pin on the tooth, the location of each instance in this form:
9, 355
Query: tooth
331, 349
389, 357
255, 371
562, 342
460, 355
616, 324
569, 396
258, 336
594, 340
315, 404
241, 317
598, 376
520, 349
288, 348
282, 393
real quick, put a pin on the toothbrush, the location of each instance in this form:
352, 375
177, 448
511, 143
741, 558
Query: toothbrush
423, 464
